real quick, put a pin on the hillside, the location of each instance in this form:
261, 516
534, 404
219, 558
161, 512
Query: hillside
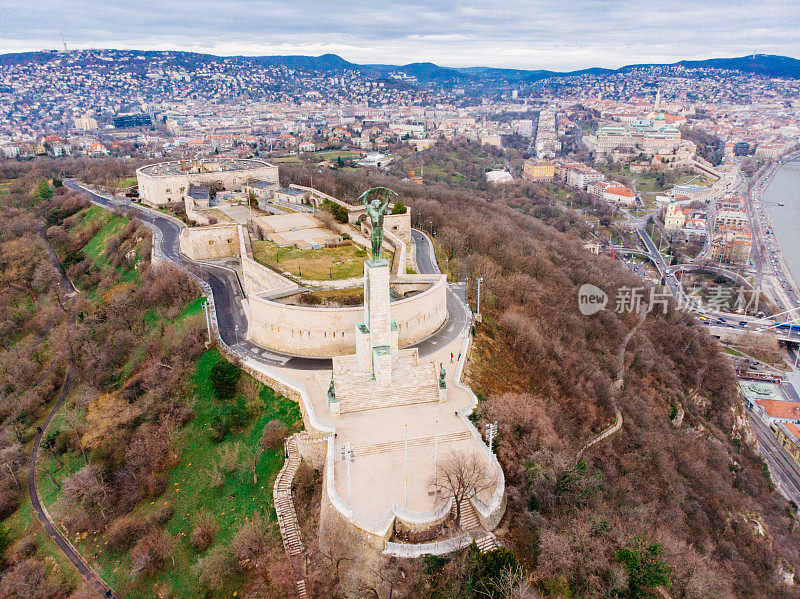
693, 494
159, 451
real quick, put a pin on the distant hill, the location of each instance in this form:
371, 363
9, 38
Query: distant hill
761, 64
326, 62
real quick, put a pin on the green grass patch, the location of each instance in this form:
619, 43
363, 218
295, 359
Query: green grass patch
189, 489
343, 262
96, 248
334, 154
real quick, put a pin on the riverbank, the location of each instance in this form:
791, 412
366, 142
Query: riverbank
776, 212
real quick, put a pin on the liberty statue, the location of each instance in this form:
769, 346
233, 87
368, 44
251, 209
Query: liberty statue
376, 209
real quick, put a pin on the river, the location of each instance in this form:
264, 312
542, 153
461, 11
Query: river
785, 220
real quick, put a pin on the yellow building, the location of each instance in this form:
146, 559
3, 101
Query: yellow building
789, 436
536, 170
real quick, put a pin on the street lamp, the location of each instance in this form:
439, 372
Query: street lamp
479, 280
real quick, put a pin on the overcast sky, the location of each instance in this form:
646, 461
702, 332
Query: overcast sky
562, 35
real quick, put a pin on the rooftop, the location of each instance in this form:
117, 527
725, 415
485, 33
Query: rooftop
780, 409
185, 167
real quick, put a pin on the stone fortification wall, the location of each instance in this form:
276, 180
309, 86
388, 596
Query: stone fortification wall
164, 189
399, 224
421, 315
193, 214
158, 191
326, 332
210, 243
257, 278
317, 198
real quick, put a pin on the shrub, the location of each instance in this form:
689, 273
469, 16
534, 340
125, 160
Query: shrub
151, 552
72, 258
273, 435
124, 532
204, 531
399, 208
248, 542
223, 378
645, 569
338, 212
215, 569
220, 426
238, 413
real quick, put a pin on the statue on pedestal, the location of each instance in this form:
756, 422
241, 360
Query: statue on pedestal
376, 209
331, 392
442, 374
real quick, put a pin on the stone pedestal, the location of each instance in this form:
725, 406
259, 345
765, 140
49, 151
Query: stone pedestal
376, 337
442, 394
382, 365
363, 348
376, 302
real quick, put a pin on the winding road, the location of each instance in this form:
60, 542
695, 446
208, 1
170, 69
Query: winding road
228, 292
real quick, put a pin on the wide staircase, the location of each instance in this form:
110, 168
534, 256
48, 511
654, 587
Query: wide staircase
411, 384
282, 496
389, 446
470, 524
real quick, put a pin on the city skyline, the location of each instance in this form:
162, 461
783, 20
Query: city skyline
581, 35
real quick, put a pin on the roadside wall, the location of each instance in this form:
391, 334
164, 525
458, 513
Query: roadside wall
192, 213
209, 243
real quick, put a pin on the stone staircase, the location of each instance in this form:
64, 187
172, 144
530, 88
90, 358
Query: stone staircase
389, 446
470, 524
282, 497
301, 589
411, 384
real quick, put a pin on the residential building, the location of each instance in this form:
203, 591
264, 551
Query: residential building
538, 170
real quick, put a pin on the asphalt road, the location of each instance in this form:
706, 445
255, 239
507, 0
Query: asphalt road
784, 469
228, 293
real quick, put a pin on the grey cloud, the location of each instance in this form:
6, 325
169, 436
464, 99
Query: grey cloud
529, 34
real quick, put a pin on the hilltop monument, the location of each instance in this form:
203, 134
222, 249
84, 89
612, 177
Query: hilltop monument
376, 210
379, 368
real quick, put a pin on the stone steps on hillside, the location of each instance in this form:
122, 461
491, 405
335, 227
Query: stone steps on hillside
282, 499
470, 524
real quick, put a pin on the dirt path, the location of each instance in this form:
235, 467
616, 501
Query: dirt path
616, 388
91, 577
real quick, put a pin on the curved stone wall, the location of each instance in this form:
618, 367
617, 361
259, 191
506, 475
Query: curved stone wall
327, 332
160, 185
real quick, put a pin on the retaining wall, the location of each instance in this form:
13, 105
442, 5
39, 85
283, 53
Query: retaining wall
327, 332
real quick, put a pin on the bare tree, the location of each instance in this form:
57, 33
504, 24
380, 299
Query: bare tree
462, 475
513, 583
